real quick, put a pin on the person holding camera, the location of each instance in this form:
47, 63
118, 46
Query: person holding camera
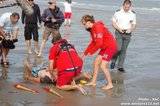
124, 22
8, 34
53, 18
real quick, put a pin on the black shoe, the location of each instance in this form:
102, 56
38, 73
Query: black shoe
121, 70
112, 65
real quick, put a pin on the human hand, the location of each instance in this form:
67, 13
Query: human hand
39, 25
121, 30
128, 31
53, 20
48, 18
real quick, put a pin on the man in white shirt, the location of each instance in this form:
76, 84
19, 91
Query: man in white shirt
124, 22
67, 12
9, 32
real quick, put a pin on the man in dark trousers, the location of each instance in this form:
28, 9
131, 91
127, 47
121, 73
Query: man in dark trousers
31, 26
124, 22
53, 18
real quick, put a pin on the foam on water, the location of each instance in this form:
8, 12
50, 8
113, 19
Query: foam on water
143, 8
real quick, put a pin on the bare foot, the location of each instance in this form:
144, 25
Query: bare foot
107, 87
91, 84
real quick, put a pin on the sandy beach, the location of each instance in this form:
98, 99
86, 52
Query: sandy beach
139, 86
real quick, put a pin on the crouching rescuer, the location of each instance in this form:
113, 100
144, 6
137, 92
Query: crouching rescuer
64, 65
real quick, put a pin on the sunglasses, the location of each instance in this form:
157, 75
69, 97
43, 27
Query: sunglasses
30, 0
51, 3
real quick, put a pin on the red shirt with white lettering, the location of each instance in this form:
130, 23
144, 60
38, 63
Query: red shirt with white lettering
101, 39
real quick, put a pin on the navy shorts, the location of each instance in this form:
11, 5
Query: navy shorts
31, 30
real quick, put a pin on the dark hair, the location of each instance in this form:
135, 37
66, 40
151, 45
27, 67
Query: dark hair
87, 18
15, 14
127, 2
56, 38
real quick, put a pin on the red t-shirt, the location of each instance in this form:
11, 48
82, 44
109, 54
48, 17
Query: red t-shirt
62, 60
101, 39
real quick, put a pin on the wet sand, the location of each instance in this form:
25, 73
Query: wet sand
139, 85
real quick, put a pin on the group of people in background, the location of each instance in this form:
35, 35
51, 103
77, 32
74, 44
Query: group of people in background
64, 62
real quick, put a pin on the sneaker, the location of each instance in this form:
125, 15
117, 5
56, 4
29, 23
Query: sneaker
121, 70
112, 65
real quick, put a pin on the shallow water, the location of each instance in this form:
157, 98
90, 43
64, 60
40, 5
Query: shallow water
142, 63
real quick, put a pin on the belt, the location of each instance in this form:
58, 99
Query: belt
72, 69
124, 33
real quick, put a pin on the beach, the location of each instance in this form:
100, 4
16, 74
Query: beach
139, 86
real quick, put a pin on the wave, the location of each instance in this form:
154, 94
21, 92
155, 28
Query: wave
92, 6
109, 7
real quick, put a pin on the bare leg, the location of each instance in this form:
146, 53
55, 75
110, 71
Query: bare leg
83, 75
69, 22
27, 73
36, 48
105, 69
73, 86
28, 43
95, 71
65, 22
42, 47
4, 56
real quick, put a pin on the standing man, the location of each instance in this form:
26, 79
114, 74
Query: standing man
124, 22
31, 26
8, 31
104, 42
53, 19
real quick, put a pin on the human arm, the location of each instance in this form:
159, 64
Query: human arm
44, 16
94, 47
73, 86
52, 58
15, 33
2, 32
114, 24
2, 21
97, 40
23, 17
133, 24
60, 18
39, 14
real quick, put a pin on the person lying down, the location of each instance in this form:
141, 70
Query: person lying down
63, 74
42, 75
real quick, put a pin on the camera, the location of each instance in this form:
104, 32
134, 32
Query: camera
1, 38
15, 40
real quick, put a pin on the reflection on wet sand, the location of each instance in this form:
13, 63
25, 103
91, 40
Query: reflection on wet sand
4, 73
118, 82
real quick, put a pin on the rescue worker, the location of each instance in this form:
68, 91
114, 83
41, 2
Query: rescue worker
104, 41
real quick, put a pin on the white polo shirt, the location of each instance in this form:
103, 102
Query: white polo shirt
124, 20
67, 7
6, 23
